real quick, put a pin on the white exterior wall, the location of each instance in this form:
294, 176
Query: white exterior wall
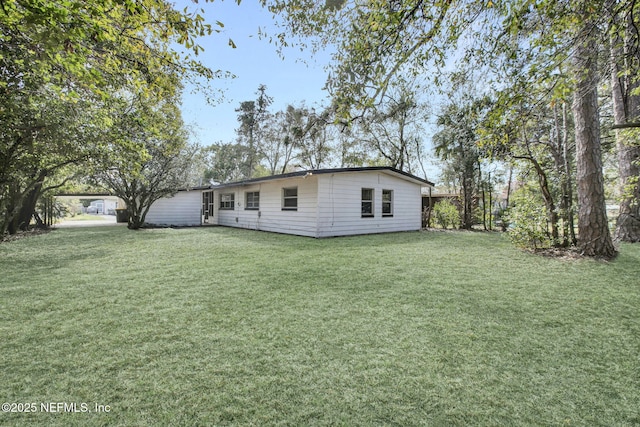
270, 216
182, 209
329, 204
340, 213
110, 206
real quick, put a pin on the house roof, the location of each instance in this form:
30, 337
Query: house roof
384, 169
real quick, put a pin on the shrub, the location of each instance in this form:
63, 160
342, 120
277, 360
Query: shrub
446, 214
527, 221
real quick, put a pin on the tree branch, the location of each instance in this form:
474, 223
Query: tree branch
626, 125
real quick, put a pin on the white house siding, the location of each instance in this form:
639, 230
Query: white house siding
329, 204
270, 216
181, 209
340, 214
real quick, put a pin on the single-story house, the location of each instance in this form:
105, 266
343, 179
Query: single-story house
104, 206
315, 203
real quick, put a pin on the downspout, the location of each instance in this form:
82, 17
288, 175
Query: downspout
259, 211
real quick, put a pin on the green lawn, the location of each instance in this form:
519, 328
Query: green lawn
219, 326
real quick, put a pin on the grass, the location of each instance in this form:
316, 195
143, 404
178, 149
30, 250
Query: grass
219, 326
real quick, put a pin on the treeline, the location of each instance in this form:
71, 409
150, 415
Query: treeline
299, 136
542, 85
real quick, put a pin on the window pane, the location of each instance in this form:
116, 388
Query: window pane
253, 200
387, 202
367, 202
290, 198
291, 192
227, 201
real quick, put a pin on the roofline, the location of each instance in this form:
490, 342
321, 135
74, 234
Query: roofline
84, 194
310, 172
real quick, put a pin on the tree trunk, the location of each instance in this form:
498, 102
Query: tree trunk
468, 184
137, 208
547, 197
22, 220
549, 203
430, 210
490, 204
135, 221
625, 66
594, 237
503, 210
467, 203
568, 180
562, 161
484, 202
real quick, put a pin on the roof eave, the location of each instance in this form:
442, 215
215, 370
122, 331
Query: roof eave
385, 169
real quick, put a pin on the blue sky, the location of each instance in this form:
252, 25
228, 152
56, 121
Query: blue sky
254, 62
297, 78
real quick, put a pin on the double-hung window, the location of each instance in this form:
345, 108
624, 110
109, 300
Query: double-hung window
252, 201
367, 202
387, 202
227, 201
290, 199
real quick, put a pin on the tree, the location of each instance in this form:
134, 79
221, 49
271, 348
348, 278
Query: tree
561, 40
284, 137
553, 46
456, 144
254, 116
312, 136
393, 130
157, 162
39, 142
226, 162
376, 41
59, 60
625, 88
593, 226
350, 148
529, 129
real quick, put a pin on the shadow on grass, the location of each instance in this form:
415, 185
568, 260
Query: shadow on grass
361, 240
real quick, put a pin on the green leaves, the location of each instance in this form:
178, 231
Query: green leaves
446, 214
68, 65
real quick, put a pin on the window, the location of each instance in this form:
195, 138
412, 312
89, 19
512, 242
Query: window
227, 201
387, 202
367, 202
290, 199
252, 201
